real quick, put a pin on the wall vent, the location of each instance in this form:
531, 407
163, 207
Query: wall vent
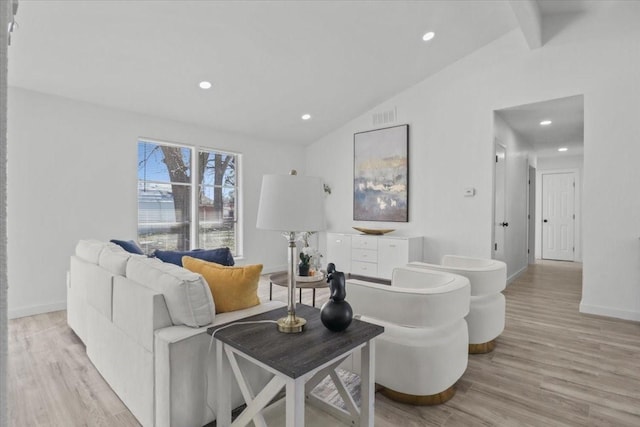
385, 117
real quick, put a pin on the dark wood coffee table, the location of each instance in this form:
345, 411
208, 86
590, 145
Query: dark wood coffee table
299, 363
281, 278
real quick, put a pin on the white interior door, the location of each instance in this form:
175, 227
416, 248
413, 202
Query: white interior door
558, 216
500, 208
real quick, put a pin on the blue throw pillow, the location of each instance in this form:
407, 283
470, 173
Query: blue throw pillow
129, 246
221, 256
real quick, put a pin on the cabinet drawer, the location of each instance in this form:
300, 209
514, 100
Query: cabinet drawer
364, 268
365, 255
364, 242
393, 245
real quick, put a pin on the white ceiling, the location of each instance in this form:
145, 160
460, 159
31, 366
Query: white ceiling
269, 62
552, 7
566, 129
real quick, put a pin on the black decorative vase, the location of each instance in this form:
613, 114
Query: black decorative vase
303, 269
336, 314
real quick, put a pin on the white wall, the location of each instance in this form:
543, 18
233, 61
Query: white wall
73, 175
518, 153
560, 164
452, 143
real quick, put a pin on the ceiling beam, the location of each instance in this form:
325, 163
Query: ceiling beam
527, 13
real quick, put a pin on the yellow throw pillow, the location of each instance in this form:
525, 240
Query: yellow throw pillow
233, 288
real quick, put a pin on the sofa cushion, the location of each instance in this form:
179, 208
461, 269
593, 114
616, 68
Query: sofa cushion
89, 250
114, 259
138, 311
129, 246
186, 293
233, 288
220, 256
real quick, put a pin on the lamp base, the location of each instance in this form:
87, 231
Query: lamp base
291, 324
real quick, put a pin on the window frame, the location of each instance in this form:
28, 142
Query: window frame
195, 236
194, 216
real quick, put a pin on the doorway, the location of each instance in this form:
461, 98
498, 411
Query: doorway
558, 216
539, 138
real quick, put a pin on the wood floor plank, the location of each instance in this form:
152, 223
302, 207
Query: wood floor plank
552, 366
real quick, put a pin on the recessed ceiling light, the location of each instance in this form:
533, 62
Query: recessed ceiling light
205, 85
562, 149
306, 116
545, 123
428, 36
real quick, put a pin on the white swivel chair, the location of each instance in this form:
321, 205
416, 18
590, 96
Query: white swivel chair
423, 350
488, 278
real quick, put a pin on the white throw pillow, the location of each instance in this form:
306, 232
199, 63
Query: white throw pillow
114, 259
89, 250
187, 294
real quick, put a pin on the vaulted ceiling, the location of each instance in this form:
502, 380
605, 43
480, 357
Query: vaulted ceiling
269, 62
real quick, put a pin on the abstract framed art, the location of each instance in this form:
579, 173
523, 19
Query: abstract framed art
381, 175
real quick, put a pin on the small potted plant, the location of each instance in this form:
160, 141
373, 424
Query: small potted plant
303, 267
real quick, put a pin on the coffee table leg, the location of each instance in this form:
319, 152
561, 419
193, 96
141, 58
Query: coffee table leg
270, 291
314, 297
300, 290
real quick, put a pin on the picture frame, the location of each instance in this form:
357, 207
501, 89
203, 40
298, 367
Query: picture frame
381, 174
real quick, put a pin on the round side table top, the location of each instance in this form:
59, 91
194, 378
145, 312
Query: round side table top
281, 278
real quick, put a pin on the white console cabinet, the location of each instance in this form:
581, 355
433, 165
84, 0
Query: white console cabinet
372, 256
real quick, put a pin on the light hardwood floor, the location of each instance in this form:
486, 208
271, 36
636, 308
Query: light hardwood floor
552, 366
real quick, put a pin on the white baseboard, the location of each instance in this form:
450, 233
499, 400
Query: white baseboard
36, 309
517, 274
609, 312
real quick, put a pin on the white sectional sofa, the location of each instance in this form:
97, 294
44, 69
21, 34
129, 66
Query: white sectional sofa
144, 325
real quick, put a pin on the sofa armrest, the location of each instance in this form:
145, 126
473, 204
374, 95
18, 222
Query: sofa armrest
178, 333
77, 297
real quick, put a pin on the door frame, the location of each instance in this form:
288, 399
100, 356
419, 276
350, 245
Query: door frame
496, 143
531, 214
577, 206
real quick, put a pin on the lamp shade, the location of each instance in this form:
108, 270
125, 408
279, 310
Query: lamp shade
291, 203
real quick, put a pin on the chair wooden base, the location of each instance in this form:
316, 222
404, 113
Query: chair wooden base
411, 399
486, 347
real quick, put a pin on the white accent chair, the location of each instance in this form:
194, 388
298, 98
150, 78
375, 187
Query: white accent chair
423, 350
488, 278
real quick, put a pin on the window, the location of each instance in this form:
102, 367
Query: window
217, 200
184, 204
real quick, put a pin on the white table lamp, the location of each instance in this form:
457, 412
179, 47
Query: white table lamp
292, 204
